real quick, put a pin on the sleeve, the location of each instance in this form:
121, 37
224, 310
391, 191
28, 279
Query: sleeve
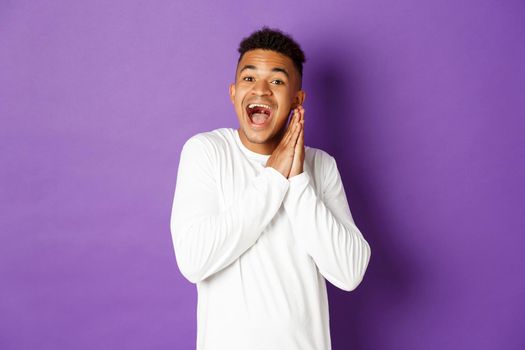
206, 239
325, 228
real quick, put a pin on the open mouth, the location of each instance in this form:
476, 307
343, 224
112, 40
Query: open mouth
259, 113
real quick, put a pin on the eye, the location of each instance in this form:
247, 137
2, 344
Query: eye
248, 78
277, 82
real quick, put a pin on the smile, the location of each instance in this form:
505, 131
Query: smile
259, 114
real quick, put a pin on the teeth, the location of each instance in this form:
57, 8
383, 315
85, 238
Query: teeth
258, 105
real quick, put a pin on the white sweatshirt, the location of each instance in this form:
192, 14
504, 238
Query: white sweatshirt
259, 246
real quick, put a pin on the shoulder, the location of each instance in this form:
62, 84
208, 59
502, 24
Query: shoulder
209, 141
321, 158
320, 164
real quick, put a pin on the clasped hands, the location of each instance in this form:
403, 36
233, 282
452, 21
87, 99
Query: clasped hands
288, 157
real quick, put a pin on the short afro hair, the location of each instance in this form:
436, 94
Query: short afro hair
274, 40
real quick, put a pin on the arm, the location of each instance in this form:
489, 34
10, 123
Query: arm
206, 239
325, 228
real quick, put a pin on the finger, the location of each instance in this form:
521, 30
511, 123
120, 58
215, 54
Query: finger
301, 121
295, 136
293, 120
300, 140
289, 126
294, 127
290, 129
292, 139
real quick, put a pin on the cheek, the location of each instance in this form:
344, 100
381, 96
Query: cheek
238, 106
239, 96
285, 106
286, 98
238, 102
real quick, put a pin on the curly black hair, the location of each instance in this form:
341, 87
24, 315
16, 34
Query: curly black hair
274, 40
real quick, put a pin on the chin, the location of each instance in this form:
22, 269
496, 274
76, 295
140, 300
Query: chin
254, 136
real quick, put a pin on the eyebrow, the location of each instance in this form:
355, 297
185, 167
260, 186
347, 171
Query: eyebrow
275, 69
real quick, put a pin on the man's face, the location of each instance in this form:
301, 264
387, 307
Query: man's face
266, 89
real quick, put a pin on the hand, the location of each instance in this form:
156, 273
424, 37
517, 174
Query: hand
298, 159
283, 155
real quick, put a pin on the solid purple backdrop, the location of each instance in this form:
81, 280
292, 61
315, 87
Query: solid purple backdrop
421, 103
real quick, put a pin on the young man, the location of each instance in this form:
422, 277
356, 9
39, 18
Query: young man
259, 220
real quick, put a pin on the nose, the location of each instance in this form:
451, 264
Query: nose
261, 88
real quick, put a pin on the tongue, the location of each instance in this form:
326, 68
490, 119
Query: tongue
259, 118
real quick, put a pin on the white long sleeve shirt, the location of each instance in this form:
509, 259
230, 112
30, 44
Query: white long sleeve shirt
259, 246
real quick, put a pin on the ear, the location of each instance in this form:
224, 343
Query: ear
232, 92
299, 98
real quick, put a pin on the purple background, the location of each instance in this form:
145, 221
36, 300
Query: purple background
421, 103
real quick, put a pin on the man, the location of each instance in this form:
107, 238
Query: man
259, 220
